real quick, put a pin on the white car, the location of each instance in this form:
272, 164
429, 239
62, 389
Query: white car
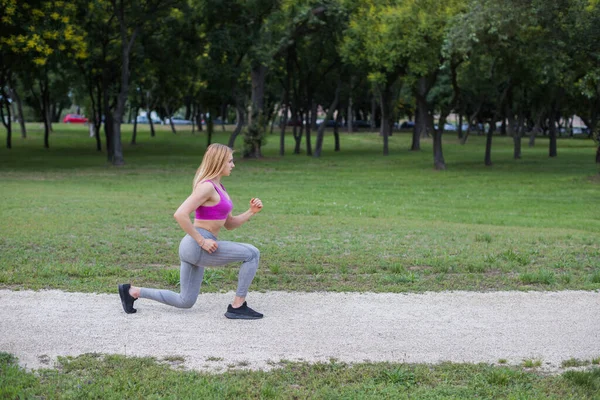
179, 121
143, 119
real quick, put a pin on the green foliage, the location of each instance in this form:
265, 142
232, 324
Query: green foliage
587, 379
255, 136
106, 376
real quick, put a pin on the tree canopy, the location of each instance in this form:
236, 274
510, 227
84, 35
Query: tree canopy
514, 67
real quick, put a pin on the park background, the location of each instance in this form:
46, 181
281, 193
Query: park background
338, 112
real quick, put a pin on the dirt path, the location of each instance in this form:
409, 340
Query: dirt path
416, 328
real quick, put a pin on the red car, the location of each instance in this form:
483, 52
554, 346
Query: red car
74, 119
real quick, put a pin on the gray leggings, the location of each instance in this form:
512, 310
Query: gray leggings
193, 261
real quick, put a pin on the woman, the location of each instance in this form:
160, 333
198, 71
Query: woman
200, 247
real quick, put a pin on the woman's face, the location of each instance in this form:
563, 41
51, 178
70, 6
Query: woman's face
229, 165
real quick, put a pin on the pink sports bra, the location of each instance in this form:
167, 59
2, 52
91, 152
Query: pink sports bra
220, 210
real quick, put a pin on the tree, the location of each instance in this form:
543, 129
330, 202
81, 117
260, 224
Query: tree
39, 41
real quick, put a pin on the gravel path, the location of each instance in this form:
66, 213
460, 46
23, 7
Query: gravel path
351, 327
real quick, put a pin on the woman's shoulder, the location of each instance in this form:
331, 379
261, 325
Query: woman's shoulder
205, 186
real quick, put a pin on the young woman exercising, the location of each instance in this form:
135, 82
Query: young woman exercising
200, 247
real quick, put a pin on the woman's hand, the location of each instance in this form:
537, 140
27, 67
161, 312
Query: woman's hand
209, 245
255, 205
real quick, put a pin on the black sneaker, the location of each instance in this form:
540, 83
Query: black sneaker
243, 312
126, 299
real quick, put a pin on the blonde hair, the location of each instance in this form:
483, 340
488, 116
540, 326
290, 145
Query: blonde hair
215, 158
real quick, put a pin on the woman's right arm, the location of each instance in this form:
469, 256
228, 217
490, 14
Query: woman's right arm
198, 197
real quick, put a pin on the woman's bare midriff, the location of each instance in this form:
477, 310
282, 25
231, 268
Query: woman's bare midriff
212, 226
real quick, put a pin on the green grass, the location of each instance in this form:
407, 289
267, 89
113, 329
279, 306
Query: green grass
349, 221
107, 377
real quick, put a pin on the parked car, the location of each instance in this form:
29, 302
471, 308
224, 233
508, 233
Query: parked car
143, 119
75, 119
178, 121
407, 125
580, 130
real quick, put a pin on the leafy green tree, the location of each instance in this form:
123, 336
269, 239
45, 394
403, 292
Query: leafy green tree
39, 41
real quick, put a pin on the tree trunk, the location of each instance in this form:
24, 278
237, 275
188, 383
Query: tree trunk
336, 134
133, 137
488, 143
517, 135
283, 124
14, 95
459, 127
308, 129
438, 155
6, 121
126, 45
373, 112
224, 112
151, 123
240, 116
471, 120
258, 75
386, 97
534, 131
44, 104
552, 141
97, 114
349, 119
297, 135
329, 115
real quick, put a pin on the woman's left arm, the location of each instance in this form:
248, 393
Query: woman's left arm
238, 220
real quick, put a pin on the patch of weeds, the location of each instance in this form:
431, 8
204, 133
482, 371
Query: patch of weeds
476, 268
542, 276
397, 269
502, 376
314, 269
244, 363
532, 363
587, 379
513, 256
566, 278
397, 376
275, 269
231, 274
268, 391
595, 277
502, 361
171, 276
483, 237
490, 259
211, 276
596, 361
7, 359
564, 263
442, 268
406, 278
211, 358
574, 362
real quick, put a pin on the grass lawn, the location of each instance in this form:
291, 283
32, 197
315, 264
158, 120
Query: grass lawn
349, 221
116, 377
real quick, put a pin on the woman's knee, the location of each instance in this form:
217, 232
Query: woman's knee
255, 253
187, 302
